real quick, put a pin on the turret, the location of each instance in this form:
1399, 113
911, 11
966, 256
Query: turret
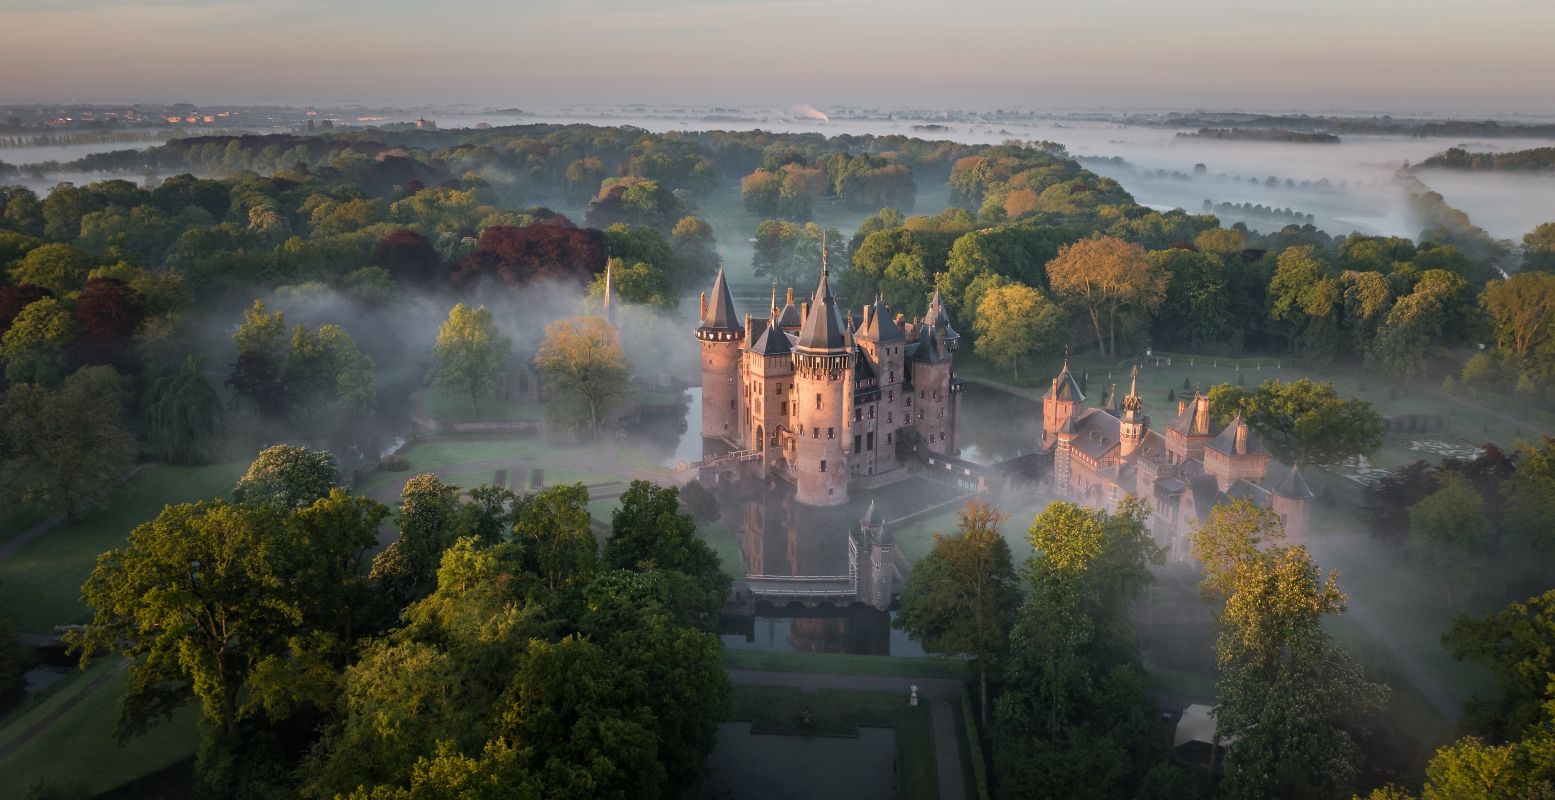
1133, 424
1292, 500
721, 335
608, 308
1061, 401
1187, 435
823, 377
874, 551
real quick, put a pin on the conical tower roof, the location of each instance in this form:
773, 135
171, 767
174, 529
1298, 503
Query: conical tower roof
1065, 388
720, 314
878, 325
824, 329
1294, 486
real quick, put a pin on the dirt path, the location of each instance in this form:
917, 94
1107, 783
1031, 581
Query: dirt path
940, 692
64, 708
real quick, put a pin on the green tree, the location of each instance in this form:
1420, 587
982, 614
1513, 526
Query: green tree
553, 527
650, 532
1529, 495
285, 477
184, 415
1196, 308
1287, 697
1014, 321
1448, 533
962, 597
1538, 248
1302, 421
1305, 299
34, 346
60, 449
581, 361
470, 355
1517, 645
59, 268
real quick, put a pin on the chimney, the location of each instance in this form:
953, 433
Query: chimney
748, 339
1182, 406
702, 306
1241, 438
804, 314
790, 295
1201, 414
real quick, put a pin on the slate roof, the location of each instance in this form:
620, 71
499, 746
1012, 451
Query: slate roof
720, 307
771, 341
1067, 389
1185, 421
877, 325
1226, 441
1294, 486
930, 349
824, 329
1096, 432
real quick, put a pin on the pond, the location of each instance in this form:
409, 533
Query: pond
856, 630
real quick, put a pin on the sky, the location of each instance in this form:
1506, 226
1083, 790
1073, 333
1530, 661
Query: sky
1462, 57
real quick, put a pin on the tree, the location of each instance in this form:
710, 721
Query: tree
1415, 327
1305, 297
1073, 718
285, 477
790, 252
1287, 696
582, 364
1529, 496
1196, 309
962, 597
1522, 309
1517, 645
62, 448
34, 346
649, 532
1015, 321
1448, 532
1538, 247
59, 268
1302, 421
553, 528
107, 314
184, 415
1112, 281
470, 355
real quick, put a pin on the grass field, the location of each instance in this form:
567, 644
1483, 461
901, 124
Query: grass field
79, 749
772, 709
16, 519
721, 539
445, 406
40, 586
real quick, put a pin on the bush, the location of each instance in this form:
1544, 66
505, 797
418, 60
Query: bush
394, 463
698, 501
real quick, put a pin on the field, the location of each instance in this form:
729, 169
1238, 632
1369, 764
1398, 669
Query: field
40, 585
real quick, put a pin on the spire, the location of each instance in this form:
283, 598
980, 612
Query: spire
719, 313
823, 327
823, 255
774, 300
1132, 404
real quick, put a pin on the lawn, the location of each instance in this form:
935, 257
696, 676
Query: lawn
40, 585
445, 406
772, 709
16, 519
846, 664
79, 749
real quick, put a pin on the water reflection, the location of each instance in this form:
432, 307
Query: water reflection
856, 630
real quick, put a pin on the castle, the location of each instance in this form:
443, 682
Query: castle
821, 397
1100, 457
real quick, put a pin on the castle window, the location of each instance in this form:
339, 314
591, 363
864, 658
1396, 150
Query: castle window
908, 398
823, 465
731, 404
858, 444
817, 402
888, 416
869, 441
888, 439
920, 394
831, 433
871, 410
858, 414
890, 396
785, 408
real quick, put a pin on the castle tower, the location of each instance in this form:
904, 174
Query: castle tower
1187, 435
931, 406
1292, 500
1236, 454
769, 376
1059, 404
877, 400
823, 378
938, 317
1062, 450
1133, 424
721, 335
874, 552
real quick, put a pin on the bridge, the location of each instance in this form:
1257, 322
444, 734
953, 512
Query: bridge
809, 590
735, 457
